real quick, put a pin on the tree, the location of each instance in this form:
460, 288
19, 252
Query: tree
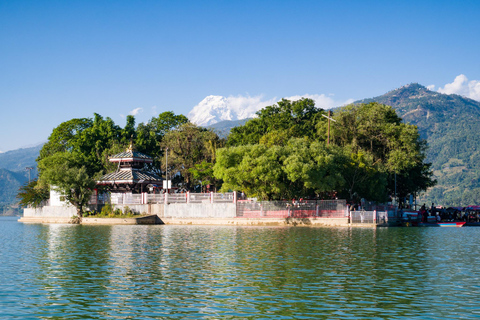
33, 194
203, 173
149, 136
64, 172
63, 137
298, 118
313, 168
299, 169
395, 147
189, 145
369, 144
77, 152
254, 169
88, 139
364, 178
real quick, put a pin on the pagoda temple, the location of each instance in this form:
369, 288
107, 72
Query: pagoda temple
131, 175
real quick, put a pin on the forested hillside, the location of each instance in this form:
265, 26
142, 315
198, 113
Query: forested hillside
10, 182
449, 123
13, 173
222, 128
17, 160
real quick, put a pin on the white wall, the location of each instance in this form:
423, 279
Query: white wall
200, 210
55, 199
57, 212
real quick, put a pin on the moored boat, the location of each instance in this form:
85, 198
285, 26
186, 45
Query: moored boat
442, 224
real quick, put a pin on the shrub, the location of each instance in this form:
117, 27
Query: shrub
127, 211
106, 210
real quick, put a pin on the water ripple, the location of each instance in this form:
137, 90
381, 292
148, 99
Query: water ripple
208, 272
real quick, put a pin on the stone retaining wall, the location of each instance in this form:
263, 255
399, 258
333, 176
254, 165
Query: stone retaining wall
152, 219
279, 222
177, 213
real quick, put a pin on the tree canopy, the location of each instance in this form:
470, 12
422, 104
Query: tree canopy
189, 146
283, 153
274, 123
280, 154
395, 147
77, 153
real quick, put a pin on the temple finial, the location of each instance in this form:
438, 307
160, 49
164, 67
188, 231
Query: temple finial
131, 148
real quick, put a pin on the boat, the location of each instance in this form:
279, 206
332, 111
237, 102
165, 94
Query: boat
442, 224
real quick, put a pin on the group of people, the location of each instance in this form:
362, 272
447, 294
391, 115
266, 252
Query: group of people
440, 214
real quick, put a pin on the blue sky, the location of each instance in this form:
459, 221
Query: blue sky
65, 59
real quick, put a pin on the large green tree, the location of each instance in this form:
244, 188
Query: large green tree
189, 145
285, 119
369, 145
89, 139
300, 168
395, 147
65, 172
150, 135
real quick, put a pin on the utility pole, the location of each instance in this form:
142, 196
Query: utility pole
329, 117
29, 169
166, 166
396, 187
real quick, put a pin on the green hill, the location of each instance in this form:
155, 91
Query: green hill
10, 182
449, 124
222, 128
13, 173
17, 160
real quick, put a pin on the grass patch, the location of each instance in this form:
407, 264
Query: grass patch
109, 212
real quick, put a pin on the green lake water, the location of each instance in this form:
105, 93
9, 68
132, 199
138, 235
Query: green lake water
213, 272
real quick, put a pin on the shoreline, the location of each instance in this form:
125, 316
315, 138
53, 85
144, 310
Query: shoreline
155, 220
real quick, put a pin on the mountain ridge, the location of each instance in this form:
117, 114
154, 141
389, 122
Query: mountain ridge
448, 123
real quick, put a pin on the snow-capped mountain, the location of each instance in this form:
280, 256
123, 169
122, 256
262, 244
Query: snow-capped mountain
214, 109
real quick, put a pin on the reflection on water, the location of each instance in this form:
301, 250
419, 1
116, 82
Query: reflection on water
147, 272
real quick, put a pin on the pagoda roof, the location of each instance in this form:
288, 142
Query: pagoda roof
129, 176
130, 155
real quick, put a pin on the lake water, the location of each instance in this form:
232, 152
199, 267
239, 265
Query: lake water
212, 272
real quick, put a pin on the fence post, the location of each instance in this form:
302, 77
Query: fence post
211, 196
375, 216
188, 196
166, 197
235, 197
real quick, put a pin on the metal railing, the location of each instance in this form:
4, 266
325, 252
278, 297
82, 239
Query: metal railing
199, 197
155, 198
146, 198
222, 197
177, 198
295, 209
132, 198
244, 208
363, 217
